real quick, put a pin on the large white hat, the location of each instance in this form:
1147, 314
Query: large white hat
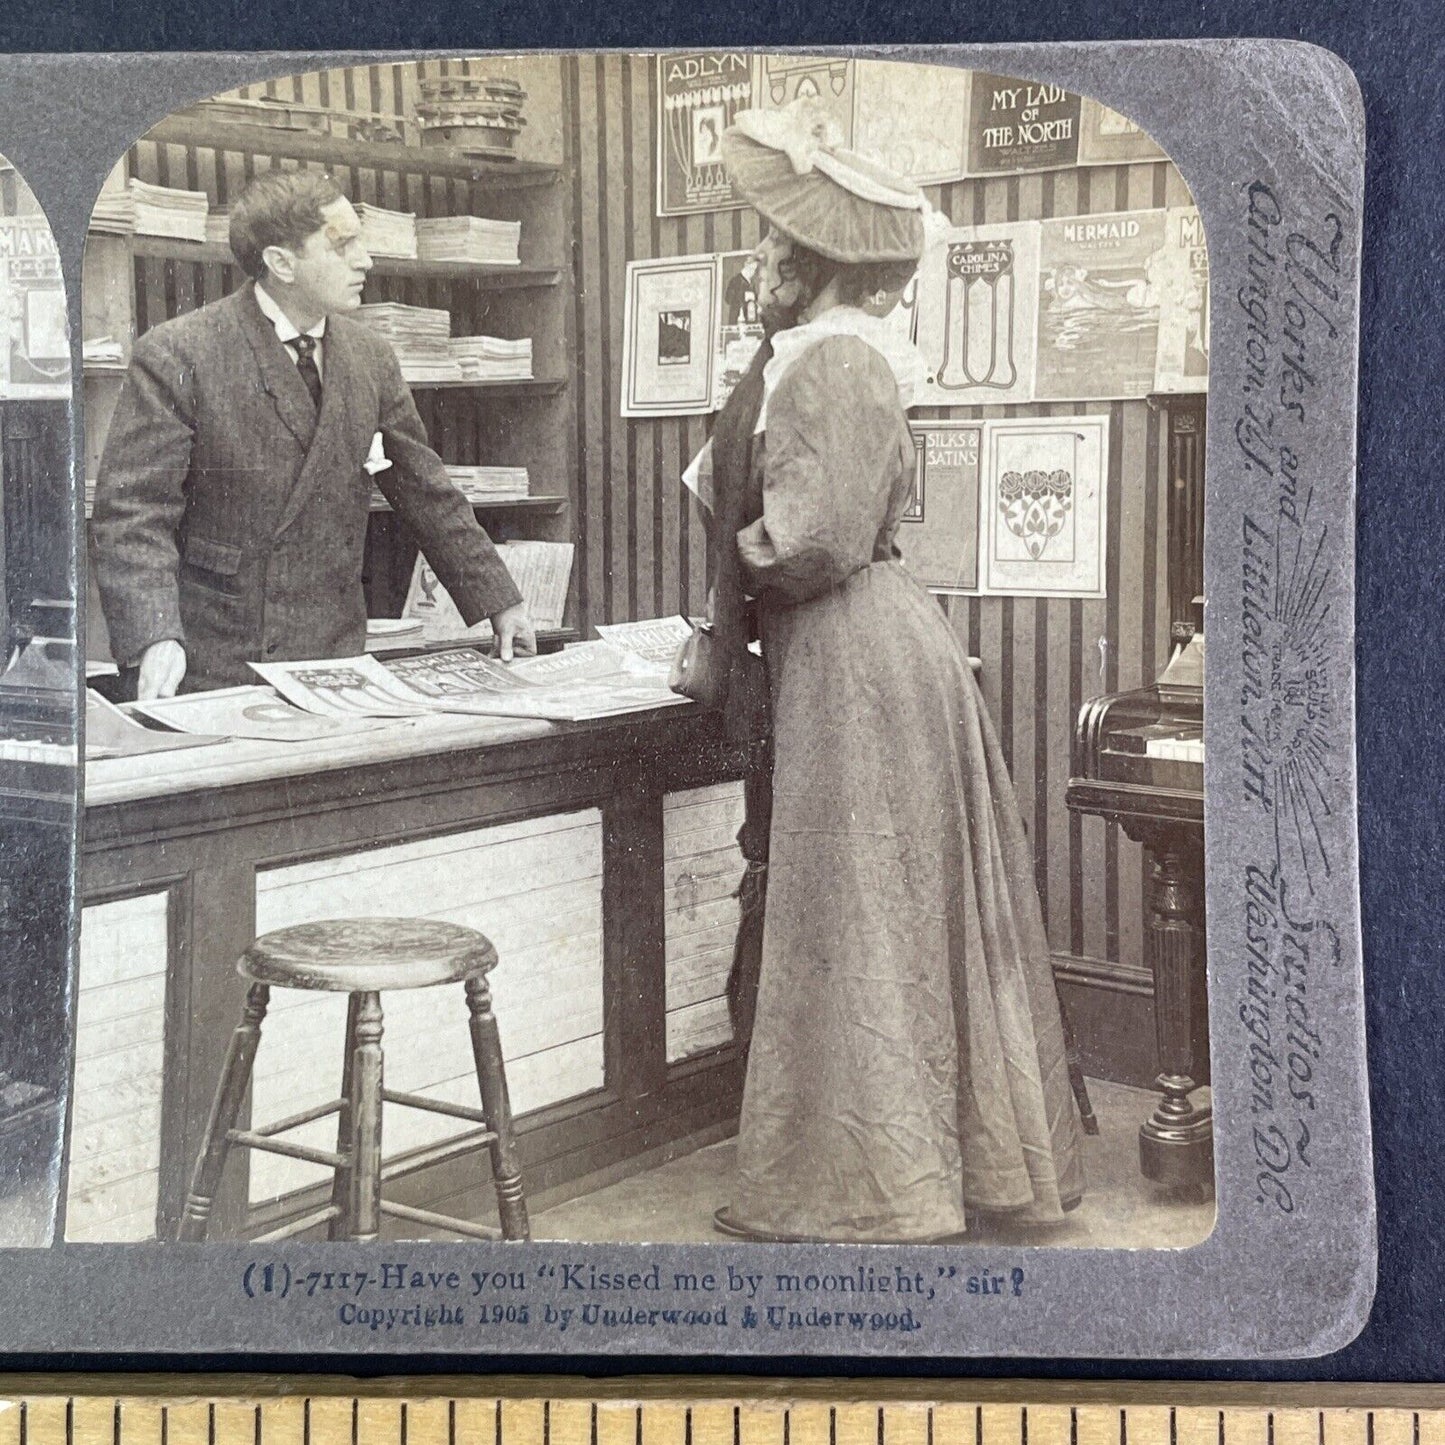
827, 198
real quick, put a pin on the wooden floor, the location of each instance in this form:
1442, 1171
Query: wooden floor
1121, 1210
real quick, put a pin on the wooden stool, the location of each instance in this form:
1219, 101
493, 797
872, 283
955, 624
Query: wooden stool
361, 957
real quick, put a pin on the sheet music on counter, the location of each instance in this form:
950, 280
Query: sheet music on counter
655, 639
591, 680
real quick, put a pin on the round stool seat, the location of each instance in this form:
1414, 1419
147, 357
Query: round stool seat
362, 955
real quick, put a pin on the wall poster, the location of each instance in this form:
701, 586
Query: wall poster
1183, 265
977, 314
35, 356
827, 81
1020, 125
699, 93
739, 329
938, 535
1101, 281
1044, 490
1107, 138
912, 119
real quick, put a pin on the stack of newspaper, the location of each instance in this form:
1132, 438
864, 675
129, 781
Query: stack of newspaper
419, 336
388, 233
114, 213
164, 211
490, 484
102, 353
492, 358
218, 228
472, 239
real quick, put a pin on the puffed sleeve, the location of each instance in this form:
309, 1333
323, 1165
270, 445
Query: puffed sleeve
832, 454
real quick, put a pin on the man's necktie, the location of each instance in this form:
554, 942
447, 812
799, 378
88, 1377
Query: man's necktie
306, 365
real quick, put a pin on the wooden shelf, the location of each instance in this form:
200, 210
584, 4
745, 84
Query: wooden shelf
334, 150
538, 506
494, 278
535, 385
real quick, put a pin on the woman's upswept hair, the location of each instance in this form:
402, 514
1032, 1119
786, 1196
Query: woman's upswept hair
278, 208
856, 282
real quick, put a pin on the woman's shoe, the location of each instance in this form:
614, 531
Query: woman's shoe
724, 1220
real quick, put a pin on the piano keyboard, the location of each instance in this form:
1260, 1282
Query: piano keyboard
1179, 750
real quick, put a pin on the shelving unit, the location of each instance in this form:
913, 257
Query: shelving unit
133, 282
266, 140
494, 278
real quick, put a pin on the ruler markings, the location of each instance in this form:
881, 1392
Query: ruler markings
382, 1418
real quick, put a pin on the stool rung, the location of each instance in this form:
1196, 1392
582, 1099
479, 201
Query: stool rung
300, 1226
295, 1121
291, 1151
439, 1221
436, 1106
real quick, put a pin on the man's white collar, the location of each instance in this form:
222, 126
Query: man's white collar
285, 327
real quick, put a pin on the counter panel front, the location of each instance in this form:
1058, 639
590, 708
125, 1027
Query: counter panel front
115, 1112
600, 859
704, 866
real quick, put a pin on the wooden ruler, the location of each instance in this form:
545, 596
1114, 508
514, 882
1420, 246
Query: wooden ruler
297, 1410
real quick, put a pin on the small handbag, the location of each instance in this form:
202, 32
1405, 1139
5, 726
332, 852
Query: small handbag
701, 667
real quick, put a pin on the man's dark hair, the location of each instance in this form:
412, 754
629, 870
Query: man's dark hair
278, 208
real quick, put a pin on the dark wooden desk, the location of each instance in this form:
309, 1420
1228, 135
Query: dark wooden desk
186, 844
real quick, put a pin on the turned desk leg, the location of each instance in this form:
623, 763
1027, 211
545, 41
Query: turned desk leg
1176, 1143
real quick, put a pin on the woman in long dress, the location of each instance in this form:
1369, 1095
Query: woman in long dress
907, 1062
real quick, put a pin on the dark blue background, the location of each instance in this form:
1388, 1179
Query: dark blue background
1397, 51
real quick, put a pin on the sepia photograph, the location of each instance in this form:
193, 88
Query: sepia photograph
602, 732
856, 899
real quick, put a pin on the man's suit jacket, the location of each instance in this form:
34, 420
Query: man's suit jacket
231, 515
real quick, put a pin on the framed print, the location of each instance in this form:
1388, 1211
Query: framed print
669, 349
1182, 269
1107, 138
827, 83
36, 358
915, 135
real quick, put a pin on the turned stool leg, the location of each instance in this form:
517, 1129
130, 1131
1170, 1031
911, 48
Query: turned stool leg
492, 1081
366, 1065
225, 1109
343, 1193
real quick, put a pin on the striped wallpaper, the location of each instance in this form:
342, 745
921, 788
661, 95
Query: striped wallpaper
641, 550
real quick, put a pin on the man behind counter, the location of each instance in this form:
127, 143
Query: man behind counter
232, 500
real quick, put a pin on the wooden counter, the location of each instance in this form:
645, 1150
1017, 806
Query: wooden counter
599, 857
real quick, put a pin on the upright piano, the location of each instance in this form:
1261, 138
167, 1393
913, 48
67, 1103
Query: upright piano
1138, 760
